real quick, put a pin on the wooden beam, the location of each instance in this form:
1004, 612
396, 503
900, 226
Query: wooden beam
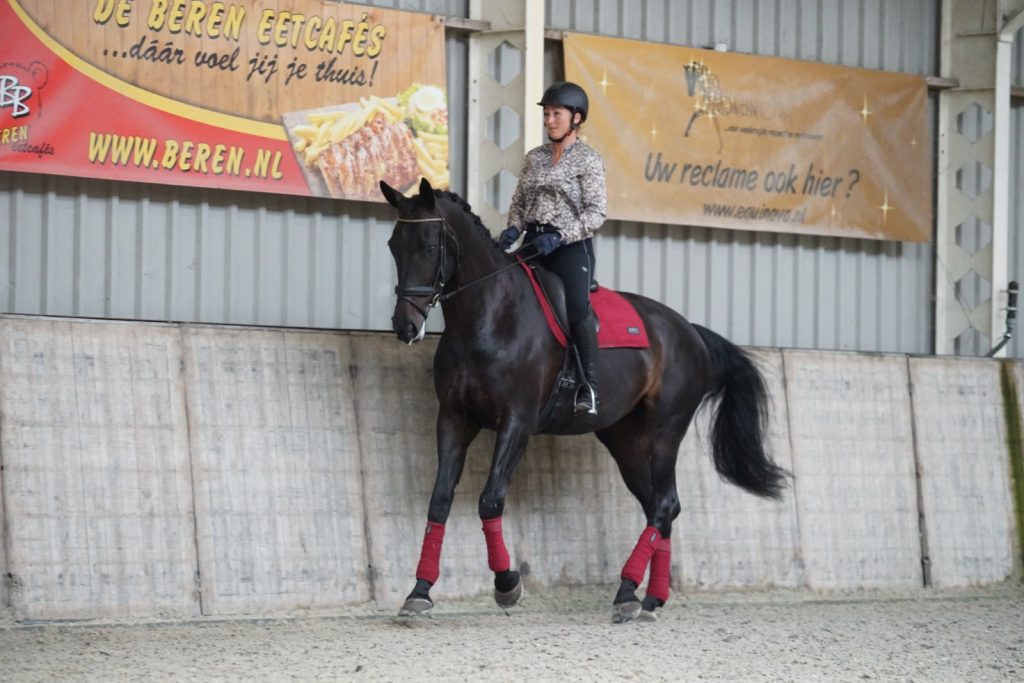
465, 25
940, 83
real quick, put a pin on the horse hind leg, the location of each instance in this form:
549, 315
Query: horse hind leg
660, 581
626, 606
648, 469
653, 550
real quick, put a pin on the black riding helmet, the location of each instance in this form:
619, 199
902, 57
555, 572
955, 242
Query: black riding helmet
568, 95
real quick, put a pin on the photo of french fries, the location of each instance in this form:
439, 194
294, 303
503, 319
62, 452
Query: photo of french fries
397, 139
432, 157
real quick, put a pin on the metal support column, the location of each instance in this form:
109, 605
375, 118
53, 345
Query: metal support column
973, 175
506, 80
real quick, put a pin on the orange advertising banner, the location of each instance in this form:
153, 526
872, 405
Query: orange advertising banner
287, 96
699, 137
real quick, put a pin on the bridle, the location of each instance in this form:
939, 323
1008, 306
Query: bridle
436, 292
405, 292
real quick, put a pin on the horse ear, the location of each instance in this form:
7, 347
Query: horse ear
426, 194
394, 198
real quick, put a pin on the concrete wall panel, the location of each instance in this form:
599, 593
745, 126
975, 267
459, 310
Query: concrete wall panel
853, 457
276, 466
726, 537
965, 470
96, 476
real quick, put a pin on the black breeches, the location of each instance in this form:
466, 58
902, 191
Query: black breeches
574, 264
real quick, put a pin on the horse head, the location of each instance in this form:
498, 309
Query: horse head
426, 256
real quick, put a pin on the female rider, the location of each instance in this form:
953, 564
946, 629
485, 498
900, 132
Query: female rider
561, 201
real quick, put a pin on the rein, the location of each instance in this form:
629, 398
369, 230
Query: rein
435, 291
452, 293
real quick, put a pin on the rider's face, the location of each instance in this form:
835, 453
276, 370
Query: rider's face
557, 121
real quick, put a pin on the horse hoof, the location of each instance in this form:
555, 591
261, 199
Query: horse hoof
510, 598
647, 615
415, 607
626, 612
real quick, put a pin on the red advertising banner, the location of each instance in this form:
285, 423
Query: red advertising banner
287, 96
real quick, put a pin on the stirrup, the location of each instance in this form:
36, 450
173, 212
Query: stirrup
586, 400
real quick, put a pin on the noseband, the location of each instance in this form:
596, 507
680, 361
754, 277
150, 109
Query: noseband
405, 292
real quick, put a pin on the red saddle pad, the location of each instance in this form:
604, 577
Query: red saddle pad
621, 326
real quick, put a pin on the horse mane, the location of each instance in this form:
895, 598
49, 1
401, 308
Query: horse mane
454, 198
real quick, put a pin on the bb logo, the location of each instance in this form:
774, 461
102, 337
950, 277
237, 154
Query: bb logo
14, 94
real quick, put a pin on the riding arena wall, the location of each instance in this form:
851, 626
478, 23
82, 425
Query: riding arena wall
117, 250
187, 470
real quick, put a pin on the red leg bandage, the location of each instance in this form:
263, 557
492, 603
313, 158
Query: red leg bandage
429, 567
636, 565
661, 571
497, 555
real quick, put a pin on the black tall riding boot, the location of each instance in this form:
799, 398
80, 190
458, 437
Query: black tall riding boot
584, 335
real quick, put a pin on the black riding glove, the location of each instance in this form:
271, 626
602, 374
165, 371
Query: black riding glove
547, 242
508, 237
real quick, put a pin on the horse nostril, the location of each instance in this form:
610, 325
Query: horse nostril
405, 331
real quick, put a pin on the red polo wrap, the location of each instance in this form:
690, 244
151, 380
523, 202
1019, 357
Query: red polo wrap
636, 565
497, 555
661, 570
429, 567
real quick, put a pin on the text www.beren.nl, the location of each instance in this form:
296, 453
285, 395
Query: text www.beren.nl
182, 155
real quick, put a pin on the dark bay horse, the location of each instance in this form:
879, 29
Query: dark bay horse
495, 367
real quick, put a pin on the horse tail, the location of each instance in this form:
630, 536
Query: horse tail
741, 419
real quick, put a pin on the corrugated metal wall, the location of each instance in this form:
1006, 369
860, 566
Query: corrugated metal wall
760, 288
91, 248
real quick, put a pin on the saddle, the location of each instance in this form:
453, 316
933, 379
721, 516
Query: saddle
619, 326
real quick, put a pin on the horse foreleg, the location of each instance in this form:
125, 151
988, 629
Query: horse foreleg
453, 438
508, 451
693, 117
427, 572
508, 585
